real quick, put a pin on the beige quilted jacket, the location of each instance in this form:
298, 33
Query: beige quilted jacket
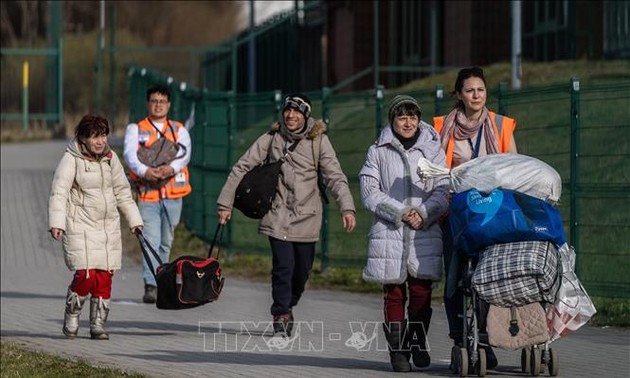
85, 200
296, 213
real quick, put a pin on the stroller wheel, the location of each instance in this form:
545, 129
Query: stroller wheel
480, 368
535, 360
462, 362
554, 363
525, 361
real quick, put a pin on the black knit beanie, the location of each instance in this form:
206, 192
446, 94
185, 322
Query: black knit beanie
398, 101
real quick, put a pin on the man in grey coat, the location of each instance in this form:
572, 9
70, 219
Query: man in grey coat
294, 221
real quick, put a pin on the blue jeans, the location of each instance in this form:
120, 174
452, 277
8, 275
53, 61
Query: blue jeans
160, 219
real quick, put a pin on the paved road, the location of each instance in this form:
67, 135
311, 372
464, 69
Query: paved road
227, 338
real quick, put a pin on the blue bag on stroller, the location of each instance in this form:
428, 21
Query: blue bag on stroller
479, 219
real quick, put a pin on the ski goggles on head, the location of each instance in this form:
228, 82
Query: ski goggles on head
299, 104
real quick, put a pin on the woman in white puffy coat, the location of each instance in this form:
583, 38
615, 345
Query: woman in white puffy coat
88, 190
405, 242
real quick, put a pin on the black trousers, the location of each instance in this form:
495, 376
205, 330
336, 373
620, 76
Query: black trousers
454, 303
292, 262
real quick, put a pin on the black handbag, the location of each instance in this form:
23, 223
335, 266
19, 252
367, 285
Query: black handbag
257, 189
188, 281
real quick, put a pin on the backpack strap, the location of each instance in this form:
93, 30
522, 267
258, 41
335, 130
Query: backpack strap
317, 147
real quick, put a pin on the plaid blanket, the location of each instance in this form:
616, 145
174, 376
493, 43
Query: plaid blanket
519, 273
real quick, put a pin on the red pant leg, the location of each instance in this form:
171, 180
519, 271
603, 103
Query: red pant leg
92, 281
395, 297
81, 282
102, 284
419, 295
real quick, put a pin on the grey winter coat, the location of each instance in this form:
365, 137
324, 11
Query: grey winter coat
296, 212
84, 201
390, 187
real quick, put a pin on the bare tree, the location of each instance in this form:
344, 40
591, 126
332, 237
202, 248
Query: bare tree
22, 21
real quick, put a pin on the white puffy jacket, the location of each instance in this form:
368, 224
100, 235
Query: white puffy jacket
84, 201
390, 187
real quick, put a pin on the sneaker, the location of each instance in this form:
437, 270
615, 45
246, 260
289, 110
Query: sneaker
150, 294
281, 325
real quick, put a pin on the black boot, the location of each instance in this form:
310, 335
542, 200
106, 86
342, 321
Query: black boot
418, 329
398, 347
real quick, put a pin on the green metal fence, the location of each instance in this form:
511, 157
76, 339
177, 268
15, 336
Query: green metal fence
32, 78
582, 131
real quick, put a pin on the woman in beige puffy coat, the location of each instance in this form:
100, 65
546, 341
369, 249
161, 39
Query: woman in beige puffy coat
295, 218
88, 190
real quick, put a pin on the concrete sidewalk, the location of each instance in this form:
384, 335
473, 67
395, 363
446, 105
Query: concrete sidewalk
340, 336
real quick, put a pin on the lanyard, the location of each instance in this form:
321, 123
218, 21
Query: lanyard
475, 150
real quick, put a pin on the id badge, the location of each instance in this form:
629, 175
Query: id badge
143, 138
180, 178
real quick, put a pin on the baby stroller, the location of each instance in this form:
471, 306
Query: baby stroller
494, 282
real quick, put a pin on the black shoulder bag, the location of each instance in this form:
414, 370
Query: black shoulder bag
257, 189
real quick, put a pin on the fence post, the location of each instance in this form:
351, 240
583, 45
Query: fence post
60, 81
379, 108
376, 47
100, 45
277, 99
439, 97
175, 107
575, 169
113, 109
25, 95
234, 64
502, 100
326, 213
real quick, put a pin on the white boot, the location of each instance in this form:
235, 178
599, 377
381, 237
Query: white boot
74, 304
99, 309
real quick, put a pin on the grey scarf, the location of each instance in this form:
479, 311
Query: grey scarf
297, 134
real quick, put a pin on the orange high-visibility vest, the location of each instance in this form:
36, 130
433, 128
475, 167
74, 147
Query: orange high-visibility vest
503, 129
177, 186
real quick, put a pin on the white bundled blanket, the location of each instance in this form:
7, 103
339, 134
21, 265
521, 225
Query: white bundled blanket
521, 173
